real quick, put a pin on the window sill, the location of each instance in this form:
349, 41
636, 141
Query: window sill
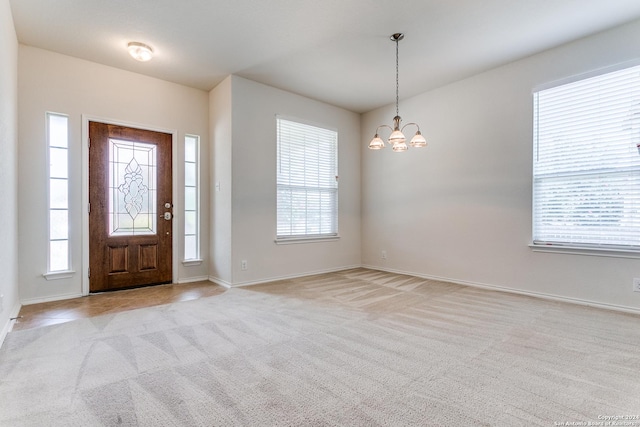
297, 240
191, 262
57, 275
587, 251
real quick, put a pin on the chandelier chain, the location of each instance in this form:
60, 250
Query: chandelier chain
397, 81
397, 138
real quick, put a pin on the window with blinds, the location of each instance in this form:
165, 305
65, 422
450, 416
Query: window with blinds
307, 181
586, 172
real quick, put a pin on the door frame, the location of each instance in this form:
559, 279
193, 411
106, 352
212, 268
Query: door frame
177, 203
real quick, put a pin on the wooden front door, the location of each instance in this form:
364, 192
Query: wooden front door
130, 207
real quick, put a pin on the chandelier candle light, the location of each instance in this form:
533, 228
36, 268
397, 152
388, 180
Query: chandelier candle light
397, 138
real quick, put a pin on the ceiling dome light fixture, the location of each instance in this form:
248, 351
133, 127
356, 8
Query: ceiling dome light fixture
140, 51
397, 138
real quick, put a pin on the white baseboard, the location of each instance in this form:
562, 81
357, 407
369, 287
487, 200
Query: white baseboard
275, 279
228, 285
541, 295
220, 282
293, 276
6, 328
49, 299
193, 279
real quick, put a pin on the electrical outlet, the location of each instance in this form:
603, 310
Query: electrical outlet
383, 254
243, 265
636, 284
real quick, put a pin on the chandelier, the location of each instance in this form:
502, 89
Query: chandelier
397, 138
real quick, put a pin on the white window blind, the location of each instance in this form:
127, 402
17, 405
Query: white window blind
586, 183
307, 181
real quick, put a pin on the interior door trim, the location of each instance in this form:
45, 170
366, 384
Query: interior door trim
177, 203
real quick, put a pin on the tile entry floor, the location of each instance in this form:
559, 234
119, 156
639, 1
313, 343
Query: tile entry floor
51, 313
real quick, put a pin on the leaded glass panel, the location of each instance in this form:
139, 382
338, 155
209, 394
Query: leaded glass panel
132, 188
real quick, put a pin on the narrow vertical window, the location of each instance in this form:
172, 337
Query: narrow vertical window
58, 148
191, 197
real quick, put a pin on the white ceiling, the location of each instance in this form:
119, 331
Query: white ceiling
336, 51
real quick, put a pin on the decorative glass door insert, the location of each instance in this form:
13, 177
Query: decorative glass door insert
132, 188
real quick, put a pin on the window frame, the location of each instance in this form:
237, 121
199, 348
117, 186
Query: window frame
334, 235
58, 273
576, 248
197, 259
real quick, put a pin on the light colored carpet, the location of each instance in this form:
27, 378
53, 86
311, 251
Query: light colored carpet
354, 348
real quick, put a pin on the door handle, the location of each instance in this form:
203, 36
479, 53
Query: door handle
167, 216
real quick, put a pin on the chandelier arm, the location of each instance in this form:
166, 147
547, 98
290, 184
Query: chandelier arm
384, 126
416, 125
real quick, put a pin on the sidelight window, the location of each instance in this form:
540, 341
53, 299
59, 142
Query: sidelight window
191, 197
57, 129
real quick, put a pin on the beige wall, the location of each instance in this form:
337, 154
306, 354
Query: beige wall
8, 168
62, 84
461, 208
220, 103
458, 210
251, 168
238, 117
